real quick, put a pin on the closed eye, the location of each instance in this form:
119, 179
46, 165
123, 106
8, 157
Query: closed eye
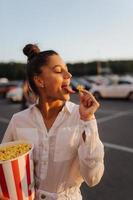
58, 69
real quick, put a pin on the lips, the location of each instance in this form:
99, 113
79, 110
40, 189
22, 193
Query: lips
68, 89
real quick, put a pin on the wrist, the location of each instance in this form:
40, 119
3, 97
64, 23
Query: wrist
88, 118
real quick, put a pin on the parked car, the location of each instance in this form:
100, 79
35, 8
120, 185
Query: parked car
4, 80
5, 87
21, 93
97, 80
120, 89
15, 93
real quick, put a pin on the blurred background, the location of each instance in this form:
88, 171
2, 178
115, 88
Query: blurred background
95, 40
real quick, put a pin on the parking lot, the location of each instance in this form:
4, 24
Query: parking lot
115, 125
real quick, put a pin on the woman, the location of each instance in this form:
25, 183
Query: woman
67, 150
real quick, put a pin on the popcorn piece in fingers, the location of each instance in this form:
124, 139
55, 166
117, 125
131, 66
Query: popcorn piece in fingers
80, 88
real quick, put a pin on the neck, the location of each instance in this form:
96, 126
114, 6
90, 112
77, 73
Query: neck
50, 108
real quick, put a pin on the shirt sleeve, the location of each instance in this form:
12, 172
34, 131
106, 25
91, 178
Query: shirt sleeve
9, 134
91, 153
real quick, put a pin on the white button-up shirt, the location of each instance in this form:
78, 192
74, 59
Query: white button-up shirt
62, 159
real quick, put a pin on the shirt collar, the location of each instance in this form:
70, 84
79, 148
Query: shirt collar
68, 107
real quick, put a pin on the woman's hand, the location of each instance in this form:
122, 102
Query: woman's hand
88, 105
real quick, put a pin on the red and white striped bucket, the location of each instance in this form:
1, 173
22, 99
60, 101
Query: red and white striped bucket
16, 176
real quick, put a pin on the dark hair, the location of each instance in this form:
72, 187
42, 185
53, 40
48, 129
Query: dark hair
36, 59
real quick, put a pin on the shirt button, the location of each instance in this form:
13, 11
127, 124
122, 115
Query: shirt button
43, 196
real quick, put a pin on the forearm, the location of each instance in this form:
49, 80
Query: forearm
91, 154
91, 165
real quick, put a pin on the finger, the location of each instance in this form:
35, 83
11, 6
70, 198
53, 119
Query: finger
94, 107
93, 99
82, 97
96, 104
89, 102
86, 101
85, 92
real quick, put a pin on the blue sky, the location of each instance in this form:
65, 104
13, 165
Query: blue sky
80, 30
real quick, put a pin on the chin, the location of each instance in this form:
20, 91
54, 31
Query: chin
67, 97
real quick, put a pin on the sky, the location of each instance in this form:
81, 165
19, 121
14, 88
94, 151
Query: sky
79, 30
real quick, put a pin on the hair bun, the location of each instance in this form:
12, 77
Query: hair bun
31, 50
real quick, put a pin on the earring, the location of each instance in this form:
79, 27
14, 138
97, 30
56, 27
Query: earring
42, 86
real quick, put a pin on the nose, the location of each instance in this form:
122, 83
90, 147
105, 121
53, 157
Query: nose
67, 75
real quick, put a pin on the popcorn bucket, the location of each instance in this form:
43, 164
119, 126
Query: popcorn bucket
16, 175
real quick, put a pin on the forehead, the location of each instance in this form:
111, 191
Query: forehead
55, 60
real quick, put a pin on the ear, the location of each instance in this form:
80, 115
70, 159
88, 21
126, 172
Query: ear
38, 81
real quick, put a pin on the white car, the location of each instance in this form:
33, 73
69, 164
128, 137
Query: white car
120, 89
15, 94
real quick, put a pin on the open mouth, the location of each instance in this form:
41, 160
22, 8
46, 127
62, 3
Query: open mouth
68, 89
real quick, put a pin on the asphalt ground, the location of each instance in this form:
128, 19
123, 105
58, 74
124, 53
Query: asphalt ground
115, 124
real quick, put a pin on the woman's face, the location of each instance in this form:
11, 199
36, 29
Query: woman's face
56, 79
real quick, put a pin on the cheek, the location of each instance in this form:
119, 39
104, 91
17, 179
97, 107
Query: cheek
54, 82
